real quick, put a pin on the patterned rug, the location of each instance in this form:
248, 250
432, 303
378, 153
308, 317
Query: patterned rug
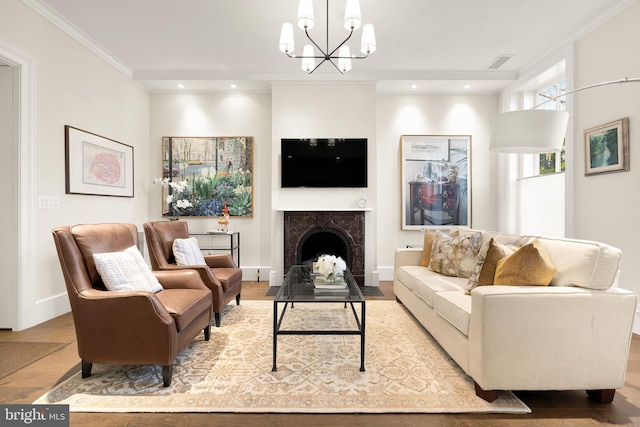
406, 371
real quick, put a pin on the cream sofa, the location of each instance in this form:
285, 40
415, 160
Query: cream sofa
571, 335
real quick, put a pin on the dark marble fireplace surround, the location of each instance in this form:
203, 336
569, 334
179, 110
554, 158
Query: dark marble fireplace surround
310, 233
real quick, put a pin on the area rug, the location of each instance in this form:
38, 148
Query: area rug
406, 371
17, 355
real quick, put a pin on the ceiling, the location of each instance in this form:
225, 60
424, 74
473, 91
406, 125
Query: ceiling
438, 45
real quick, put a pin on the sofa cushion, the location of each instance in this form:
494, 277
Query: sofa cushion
126, 271
427, 286
187, 252
455, 308
583, 263
529, 265
454, 256
407, 274
426, 248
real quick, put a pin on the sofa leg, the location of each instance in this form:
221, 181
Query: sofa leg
207, 333
488, 395
398, 300
216, 316
167, 374
238, 299
86, 369
602, 396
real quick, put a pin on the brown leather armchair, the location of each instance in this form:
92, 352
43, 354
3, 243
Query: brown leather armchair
221, 274
132, 327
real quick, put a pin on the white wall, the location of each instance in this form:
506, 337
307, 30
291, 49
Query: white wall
331, 110
606, 206
74, 87
431, 115
220, 114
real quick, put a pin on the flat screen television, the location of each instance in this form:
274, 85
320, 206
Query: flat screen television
324, 162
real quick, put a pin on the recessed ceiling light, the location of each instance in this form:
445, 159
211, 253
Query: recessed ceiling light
233, 85
467, 86
180, 85
414, 86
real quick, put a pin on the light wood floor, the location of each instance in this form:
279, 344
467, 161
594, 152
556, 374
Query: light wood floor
567, 408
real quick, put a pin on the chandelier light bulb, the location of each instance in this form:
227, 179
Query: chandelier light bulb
308, 61
344, 60
287, 44
352, 17
305, 14
368, 39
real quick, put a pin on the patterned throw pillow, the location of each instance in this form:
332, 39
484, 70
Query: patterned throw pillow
454, 256
126, 271
187, 252
486, 262
528, 266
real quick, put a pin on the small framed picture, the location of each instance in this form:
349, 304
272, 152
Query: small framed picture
606, 148
96, 165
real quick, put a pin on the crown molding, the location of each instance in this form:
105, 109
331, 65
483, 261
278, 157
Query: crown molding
77, 34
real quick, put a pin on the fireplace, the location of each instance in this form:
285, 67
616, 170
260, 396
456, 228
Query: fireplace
310, 234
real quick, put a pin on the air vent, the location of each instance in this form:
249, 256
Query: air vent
499, 62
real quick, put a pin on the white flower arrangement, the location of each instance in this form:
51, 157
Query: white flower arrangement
331, 266
177, 188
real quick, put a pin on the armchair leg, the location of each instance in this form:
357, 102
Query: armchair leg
602, 396
488, 395
238, 299
167, 374
86, 369
207, 333
217, 318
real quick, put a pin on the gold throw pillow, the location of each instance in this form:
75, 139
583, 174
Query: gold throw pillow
528, 266
426, 248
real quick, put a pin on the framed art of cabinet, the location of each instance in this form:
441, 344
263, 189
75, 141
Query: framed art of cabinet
436, 181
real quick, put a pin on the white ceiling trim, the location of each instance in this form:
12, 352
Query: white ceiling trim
81, 37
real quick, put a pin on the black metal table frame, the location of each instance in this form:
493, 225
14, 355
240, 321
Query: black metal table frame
360, 321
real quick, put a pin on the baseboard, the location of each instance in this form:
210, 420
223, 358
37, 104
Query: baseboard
256, 273
49, 308
385, 274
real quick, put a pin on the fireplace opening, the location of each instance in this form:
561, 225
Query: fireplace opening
308, 234
322, 242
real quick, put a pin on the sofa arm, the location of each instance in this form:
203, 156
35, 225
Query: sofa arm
406, 256
549, 338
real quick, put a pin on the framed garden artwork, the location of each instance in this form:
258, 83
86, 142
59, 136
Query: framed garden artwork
95, 165
606, 148
435, 180
207, 176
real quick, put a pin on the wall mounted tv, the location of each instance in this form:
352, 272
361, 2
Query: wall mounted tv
324, 162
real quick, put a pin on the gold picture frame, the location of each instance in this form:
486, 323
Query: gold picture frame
606, 148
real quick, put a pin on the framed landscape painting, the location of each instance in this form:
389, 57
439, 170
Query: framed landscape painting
435, 180
606, 147
215, 175
95, 165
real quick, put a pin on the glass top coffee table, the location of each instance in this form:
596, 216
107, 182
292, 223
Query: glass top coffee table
299, 287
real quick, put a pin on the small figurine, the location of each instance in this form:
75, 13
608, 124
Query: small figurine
223, 222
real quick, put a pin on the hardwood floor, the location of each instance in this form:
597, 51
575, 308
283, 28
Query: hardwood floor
566, 408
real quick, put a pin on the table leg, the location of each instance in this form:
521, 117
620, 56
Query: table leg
275, 335
363, 314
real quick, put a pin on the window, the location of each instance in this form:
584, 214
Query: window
532, 186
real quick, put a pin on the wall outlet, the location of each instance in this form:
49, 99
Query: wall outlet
48, 202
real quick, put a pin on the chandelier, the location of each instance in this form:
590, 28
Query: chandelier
352, 21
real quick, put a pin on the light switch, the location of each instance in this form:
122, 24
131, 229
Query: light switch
48, 202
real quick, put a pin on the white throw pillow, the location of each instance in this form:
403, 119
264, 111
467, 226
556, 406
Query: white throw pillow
126, 271
187, 252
